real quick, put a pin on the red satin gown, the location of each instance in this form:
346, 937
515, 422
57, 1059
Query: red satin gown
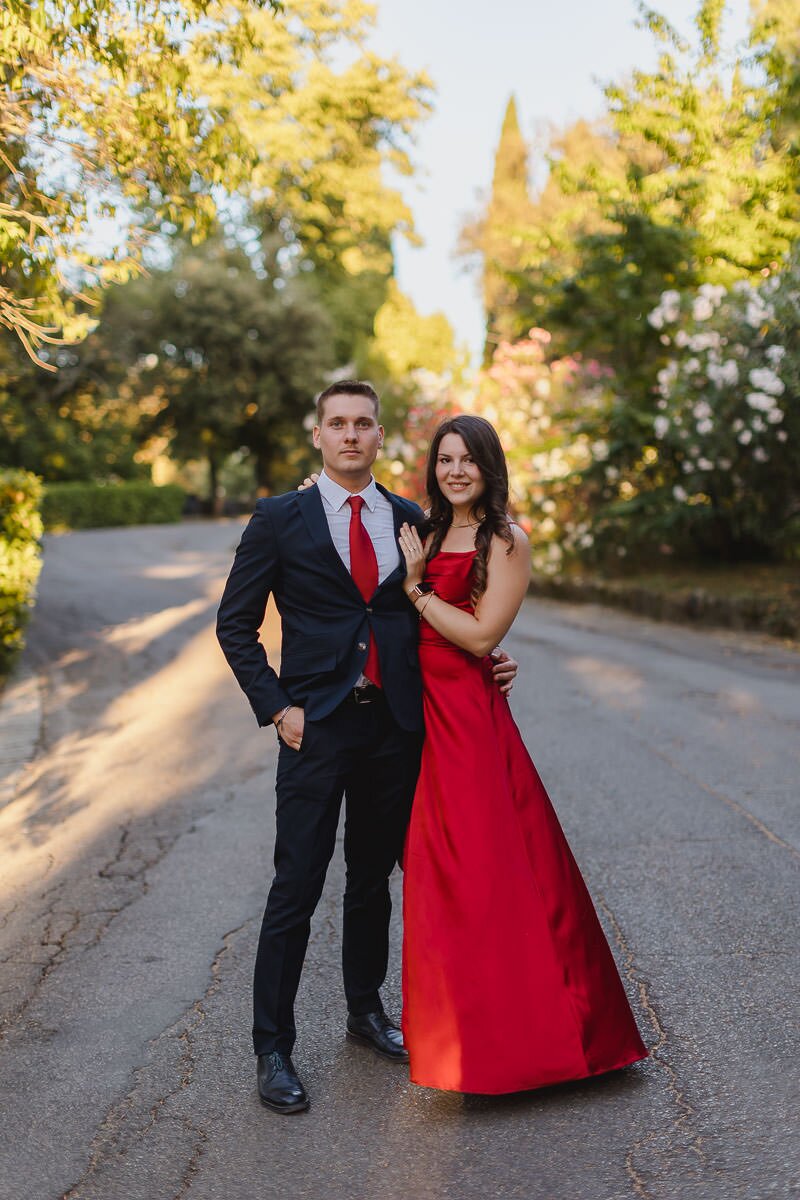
508, 980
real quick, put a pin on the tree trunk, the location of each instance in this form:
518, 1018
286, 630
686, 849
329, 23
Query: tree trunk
215, 495
263, 466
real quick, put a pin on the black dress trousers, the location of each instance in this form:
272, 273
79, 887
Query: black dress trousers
358, 752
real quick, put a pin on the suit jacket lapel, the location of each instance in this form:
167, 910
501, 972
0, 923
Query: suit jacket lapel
313, 513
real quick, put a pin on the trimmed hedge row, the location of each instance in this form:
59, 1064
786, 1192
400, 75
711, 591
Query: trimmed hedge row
94, 505
695, 606
20, 558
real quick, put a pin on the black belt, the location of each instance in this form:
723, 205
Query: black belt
367, 694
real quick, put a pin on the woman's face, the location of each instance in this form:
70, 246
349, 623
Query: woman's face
457, 473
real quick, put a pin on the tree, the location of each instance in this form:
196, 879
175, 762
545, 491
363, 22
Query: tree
221, 357
99, 120
71, 425
158, 119
718, 175
497, 236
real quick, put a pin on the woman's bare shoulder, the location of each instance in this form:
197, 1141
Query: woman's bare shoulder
519, 536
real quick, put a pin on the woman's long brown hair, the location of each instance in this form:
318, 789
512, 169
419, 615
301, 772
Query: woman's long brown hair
483, 444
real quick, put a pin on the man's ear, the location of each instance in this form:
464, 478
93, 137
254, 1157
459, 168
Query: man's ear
315, 437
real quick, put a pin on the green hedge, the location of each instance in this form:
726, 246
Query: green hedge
20, 557
93, 505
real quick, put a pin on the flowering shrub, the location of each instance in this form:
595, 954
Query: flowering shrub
707, 462
530, 401
727, 426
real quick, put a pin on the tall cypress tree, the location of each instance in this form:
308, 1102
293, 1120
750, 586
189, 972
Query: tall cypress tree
507, 218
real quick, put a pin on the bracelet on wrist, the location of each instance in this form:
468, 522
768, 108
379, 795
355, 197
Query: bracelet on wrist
426, 601
279, 721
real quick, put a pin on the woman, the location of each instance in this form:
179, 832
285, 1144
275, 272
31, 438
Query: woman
508, 981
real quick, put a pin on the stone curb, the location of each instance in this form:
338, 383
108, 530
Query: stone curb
692, 606
21, 714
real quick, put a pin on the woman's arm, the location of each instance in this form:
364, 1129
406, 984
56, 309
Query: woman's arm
506, 584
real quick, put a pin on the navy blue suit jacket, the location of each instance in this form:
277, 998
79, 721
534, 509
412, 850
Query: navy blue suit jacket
287, 550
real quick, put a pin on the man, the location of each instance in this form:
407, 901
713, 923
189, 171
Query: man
348, 710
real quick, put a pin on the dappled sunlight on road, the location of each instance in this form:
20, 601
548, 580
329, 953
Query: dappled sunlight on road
161, 738
609, 681
136, 635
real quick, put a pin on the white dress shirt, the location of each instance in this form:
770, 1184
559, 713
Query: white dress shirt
377, 517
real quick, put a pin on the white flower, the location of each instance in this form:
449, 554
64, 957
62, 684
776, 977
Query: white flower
775, 416
680, 493
745, 437
774, 355
661, 403
702, 410
702, 308
705, 426
737, 425
705, 464
757, 425
691, 366
724, 373
757, 312
767, 381
712, 291
681, 338
612, 474
656, 318
600, 450
760, 401
760, 454
670, 298
666, 376
781, 435
586, 541
705, 341
724, 464
661, 426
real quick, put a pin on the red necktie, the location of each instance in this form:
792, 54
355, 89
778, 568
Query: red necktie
364, 569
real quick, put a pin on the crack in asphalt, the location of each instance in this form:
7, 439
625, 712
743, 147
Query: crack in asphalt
678, 1132
126, 1121
59, 945
735, 805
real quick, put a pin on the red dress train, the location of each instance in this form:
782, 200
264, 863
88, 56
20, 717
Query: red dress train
508, 980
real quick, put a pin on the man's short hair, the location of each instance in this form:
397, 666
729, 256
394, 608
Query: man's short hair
348, 387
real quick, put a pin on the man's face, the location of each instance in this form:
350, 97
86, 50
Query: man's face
349, 437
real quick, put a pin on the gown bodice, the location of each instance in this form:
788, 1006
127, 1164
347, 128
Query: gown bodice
450, 574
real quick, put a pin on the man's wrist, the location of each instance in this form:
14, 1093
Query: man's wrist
277, 718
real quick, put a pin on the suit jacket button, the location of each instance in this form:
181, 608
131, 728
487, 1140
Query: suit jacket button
362, 645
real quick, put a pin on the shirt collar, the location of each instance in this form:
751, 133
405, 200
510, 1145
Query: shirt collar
337, 496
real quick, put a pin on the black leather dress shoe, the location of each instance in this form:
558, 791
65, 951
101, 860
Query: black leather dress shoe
278, 1085
377, 1031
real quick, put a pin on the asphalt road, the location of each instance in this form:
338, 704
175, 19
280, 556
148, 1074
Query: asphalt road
135, 849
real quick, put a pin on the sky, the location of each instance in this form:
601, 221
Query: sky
553, 56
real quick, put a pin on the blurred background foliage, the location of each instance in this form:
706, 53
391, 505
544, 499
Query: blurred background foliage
640, 274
